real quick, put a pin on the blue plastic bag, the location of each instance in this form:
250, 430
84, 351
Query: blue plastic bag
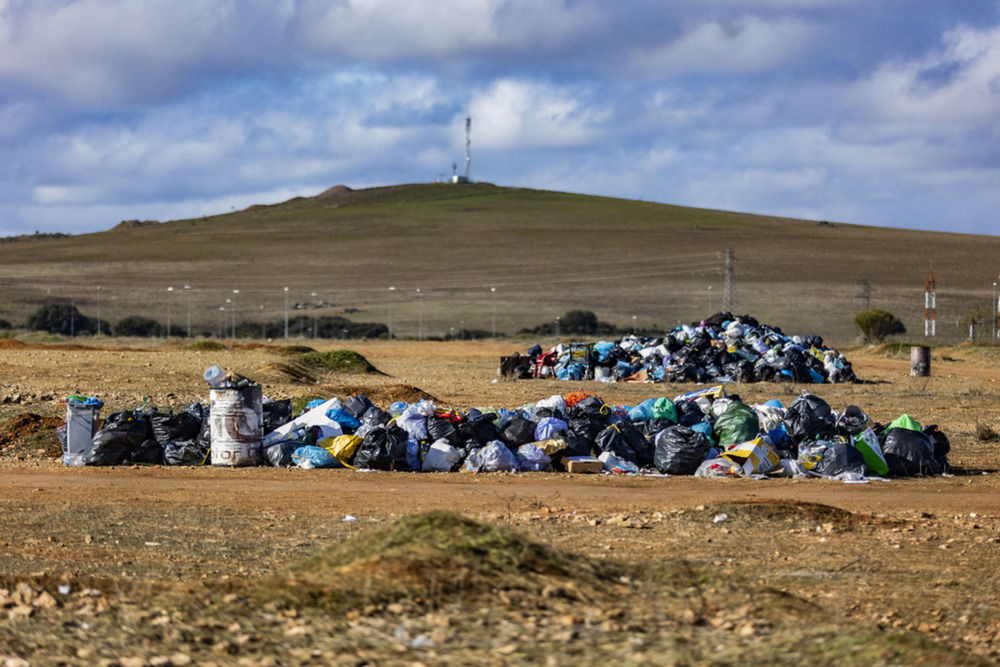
312, 456
347, 421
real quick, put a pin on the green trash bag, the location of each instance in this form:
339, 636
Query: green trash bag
737, 424
664, 408
907, 422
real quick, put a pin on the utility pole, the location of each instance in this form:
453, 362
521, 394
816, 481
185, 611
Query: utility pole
729, 296
866, 294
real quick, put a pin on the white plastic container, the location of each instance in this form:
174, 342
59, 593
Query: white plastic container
214, 376
236, 426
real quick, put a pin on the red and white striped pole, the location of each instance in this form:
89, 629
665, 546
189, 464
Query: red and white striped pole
930, 304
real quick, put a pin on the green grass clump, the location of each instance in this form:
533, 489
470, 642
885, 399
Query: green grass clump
338, 361
206, 346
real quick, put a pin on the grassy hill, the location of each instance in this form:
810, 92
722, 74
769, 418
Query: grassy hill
545, 252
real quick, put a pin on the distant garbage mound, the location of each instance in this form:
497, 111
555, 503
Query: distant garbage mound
723, 348
703, 433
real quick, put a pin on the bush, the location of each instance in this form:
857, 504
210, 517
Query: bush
876, 325
576, 322
340, 361
65, 319
141, 327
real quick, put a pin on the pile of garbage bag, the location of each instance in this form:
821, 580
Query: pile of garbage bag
723, 348
704, 433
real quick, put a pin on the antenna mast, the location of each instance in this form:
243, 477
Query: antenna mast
468, 141
464, 178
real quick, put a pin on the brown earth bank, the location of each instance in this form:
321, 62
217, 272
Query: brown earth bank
155, 565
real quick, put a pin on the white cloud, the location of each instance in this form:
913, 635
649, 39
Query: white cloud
390, 29
100, 52
731, 45
956, 85
513, 113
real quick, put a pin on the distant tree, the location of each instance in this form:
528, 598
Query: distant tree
65, 319
579, 322
876, 325
575, 323
138, 326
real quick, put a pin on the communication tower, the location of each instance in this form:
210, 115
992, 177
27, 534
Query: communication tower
464, 178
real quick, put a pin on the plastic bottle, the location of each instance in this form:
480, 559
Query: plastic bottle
215, 376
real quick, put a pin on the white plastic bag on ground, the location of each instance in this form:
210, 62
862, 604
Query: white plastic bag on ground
532, 458
441, 457
616, 464
554, 403
494, 457
549, 428
315, 417
414, 421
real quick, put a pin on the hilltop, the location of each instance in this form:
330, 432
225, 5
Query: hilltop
544, 252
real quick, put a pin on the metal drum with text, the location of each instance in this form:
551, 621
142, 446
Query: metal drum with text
236, 426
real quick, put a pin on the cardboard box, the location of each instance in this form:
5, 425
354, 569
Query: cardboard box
582, 464
754, 456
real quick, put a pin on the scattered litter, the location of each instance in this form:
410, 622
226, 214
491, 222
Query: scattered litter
349, 519
719, 518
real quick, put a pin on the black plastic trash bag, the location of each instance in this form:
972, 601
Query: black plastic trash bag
853, 421
383, 449
442, 429
651, 427
358, 405
591, 405
115, 445
808, 417
586, 427
832, 458
613, 440
739, 423
275, 414
478, 428
941, 446
169, 427
688, 413
909, 453
518, 431
375, 416
279, 454
149, 452
187, 452
680, 450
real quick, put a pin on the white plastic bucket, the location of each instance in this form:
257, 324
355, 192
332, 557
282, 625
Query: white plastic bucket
236, 426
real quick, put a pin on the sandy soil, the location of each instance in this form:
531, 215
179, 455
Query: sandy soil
918, 555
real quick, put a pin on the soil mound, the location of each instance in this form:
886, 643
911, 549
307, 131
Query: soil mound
334, 192
27, 429
383, 395
12, 344
449, 553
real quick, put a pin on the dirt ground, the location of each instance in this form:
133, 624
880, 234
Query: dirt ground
156, 565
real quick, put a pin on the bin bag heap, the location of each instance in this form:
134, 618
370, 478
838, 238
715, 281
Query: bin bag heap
723, 348
705, 433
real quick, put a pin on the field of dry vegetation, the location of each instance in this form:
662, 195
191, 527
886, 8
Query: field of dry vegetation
257, 566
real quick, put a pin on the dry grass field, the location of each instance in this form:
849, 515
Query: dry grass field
173, 566
545, 252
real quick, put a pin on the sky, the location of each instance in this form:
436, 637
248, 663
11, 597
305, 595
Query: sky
879, 112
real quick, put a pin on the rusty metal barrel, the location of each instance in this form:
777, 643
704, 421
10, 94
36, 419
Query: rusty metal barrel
920, 361
236, 425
